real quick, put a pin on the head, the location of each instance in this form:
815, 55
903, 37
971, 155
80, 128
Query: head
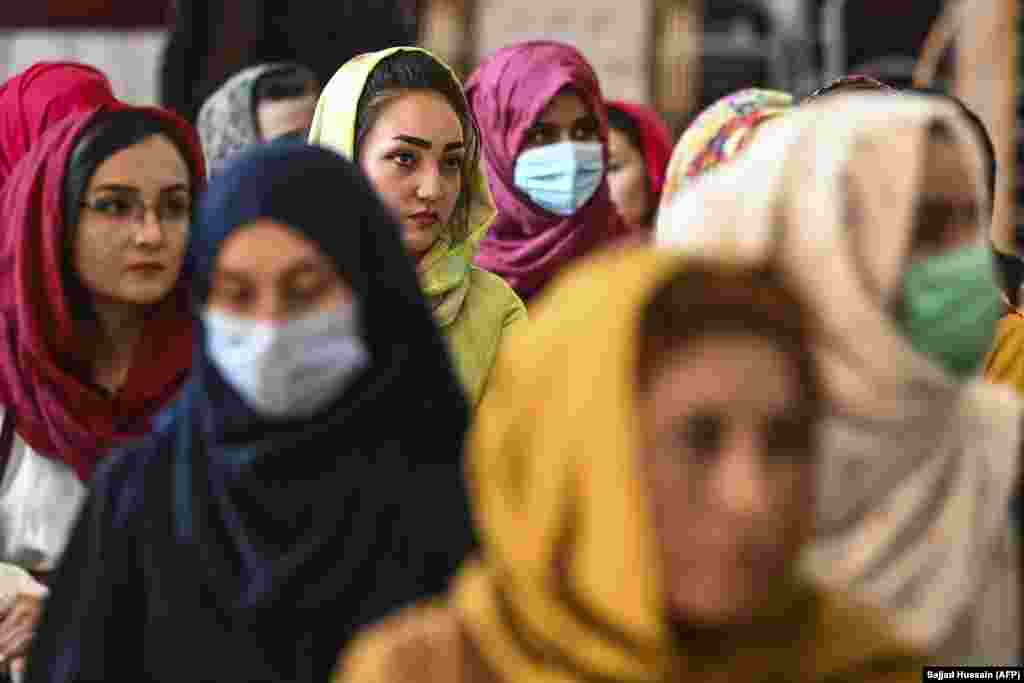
283, 101
128, 196
417, 143
729, 403
628, 175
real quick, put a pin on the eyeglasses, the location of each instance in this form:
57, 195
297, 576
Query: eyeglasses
173, 208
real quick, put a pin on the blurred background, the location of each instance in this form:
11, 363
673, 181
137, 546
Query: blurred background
679, 55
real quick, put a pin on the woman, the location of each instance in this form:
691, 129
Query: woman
642, 501
259, 104
720, 133
40, 96
545, 143
401, 115
874, 206
96, 333
277, 512
639, 146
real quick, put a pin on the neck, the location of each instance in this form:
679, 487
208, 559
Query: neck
117, 329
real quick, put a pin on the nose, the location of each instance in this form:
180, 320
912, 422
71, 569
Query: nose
150, 231
742, 486
430, 187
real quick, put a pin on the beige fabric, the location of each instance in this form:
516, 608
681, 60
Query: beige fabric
914, 500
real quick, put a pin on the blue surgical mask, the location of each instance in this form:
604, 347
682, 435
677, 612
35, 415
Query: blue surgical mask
290, 369
561, 178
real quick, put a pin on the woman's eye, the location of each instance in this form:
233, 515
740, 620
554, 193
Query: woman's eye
115, 207
176, 209
788, 438
539, 138
453, 164
584, 134
404, 159
614, 166
703, 434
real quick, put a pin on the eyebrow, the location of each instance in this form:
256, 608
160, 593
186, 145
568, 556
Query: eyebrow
116, 187
426, 144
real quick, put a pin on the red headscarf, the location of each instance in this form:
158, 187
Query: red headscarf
56, 410
40, 96
655, 141
508, 92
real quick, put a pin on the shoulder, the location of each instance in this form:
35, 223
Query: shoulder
491, 292
119, 483
856, 642
419, 644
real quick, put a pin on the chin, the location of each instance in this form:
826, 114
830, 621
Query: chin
734, 607
145, 296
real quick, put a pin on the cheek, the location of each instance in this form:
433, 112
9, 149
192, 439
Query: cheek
389, 184
96, 254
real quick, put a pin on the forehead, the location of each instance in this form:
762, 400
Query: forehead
266, 246
153, 163
747, 372
420, 113
564, 109
287, 109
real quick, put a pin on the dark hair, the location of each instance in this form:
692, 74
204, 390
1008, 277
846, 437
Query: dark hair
106, 135
414, 70
847, 84
705, 301
627, 125
282, 83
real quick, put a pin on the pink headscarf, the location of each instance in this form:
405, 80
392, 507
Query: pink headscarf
508, 92
56, 410
40, 96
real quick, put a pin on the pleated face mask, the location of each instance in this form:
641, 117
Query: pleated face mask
561, 178
291, 369
951, 305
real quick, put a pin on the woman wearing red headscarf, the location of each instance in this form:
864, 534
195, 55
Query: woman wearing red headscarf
95, 335
545, 141
40, 96
639, 147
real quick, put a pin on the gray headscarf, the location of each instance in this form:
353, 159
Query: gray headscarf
227, 124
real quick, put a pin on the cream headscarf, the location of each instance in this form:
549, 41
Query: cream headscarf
918, 470
444, 270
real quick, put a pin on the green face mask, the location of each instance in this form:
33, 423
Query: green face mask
951, 305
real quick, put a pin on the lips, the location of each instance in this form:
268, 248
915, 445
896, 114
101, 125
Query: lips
425, 218
147, 268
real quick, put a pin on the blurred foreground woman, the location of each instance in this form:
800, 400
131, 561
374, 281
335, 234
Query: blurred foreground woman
874, 206
277, 512
643, 483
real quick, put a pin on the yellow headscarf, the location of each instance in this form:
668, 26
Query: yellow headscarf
720, 132
568, 586
445, 267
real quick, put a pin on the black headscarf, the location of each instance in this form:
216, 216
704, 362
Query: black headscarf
282, 537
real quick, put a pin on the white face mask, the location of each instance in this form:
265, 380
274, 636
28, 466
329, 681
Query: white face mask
290, 369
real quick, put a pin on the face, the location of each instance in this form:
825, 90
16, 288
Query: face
129, 244
730, 468
565, 119
277, 118
414, 156
627, 179
267, 271
948, 215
